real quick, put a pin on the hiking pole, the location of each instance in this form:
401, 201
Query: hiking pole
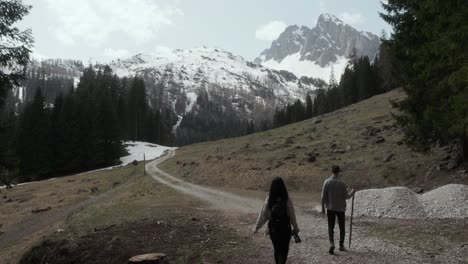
351, 222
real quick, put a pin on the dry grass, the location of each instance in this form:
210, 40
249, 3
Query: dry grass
138, 216
250, 162
60, 194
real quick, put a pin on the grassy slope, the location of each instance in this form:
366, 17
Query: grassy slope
250, 162
138, 215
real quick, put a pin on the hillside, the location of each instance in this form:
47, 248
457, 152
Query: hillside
361, 138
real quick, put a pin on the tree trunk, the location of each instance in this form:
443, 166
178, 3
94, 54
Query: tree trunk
153, 258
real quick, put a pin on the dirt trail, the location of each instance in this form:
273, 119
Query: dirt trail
365, 248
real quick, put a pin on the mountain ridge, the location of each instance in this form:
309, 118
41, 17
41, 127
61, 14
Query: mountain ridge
315, 51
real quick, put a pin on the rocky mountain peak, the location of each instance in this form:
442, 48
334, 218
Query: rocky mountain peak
313, 52
329, 18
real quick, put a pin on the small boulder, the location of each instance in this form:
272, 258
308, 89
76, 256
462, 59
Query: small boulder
40, 210
154, 258
388, 156
379, 140
418, 190
339, 151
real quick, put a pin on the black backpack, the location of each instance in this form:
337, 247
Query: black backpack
279, 213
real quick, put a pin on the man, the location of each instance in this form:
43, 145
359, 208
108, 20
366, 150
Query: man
334, 195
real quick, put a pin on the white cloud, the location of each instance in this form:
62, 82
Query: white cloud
323, 7
270, 31
353, 19
93, 22
116, 53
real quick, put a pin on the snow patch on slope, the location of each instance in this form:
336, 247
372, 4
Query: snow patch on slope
194, 67
293, 63
136, 149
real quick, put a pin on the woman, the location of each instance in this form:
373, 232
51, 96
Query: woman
278, 210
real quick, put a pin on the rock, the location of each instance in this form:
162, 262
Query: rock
339, 151
399, 143
290, 156
418, 190
348, 148
194, 219
94, 189
81, 191
462, 172
317, 121
388, 156
9, 201
371, 131
311, 159
40, 210
115, 184
153, 258
379, 140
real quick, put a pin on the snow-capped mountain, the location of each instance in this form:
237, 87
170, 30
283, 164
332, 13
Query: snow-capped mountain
314, 52
197, 68
249, 88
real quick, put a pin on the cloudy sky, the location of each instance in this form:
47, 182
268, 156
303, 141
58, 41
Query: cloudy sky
106, 29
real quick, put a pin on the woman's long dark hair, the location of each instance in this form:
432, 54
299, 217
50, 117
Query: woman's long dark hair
277, 191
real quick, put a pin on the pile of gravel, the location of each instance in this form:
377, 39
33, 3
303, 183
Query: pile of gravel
449, 201
394, 202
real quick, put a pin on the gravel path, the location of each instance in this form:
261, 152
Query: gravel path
366, 248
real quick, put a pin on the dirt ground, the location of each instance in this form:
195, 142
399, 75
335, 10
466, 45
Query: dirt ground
158, 212
138, 216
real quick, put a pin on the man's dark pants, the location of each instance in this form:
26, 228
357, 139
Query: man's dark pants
332, 215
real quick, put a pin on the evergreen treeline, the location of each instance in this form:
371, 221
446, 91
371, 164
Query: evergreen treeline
429, 48
54, 76
84, 129
212, 120
360, 80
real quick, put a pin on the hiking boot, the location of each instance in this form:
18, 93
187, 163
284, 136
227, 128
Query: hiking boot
332, 249
342, 248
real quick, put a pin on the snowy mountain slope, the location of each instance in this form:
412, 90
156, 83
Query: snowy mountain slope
198, 67
314, 52
248, 90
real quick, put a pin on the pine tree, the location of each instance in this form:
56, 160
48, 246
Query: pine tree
33, 140
15, 47
429, 54
309, 112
